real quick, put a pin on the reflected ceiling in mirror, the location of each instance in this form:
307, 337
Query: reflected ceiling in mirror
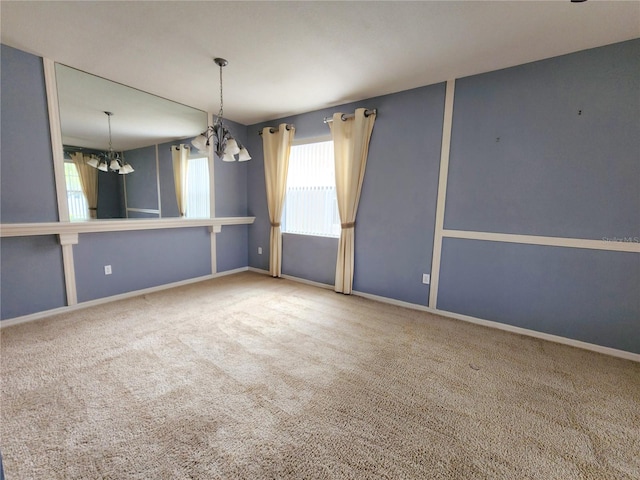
139, 118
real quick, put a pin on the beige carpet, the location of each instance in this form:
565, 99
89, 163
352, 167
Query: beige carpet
251, 377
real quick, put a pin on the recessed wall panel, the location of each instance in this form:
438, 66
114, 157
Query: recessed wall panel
549, 148
586, 295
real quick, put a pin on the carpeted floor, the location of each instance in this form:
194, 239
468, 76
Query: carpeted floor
249, 377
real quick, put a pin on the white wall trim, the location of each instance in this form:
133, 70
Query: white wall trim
113, 298
213, 229
326, 286
447, 127
67, 241
261, 271
144, 210
55, 132
49, 228
158, 182
610, 245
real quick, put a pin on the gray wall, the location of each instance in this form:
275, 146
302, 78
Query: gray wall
587, 295
30, 267
25, 141
566, 163
139, 259
32, 276
142, 183
231, 201
110, 195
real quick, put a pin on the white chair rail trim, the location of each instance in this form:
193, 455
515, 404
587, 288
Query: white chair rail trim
61, 228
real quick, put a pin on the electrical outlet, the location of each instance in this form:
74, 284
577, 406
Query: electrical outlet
259, 250
426, 278
107, 269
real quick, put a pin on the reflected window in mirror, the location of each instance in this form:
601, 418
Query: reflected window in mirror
198, 188
78, 206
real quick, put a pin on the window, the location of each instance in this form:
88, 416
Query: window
198, 188
310, 206
78, 207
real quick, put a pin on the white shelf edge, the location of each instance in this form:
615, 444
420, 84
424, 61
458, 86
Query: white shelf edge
98, 226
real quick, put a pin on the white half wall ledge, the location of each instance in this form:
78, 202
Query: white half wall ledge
98, 226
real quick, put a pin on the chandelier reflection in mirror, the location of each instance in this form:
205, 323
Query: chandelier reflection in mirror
226, 147
111, 160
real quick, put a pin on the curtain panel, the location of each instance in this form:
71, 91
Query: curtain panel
88, 181
180, 156
351, 138
277, 148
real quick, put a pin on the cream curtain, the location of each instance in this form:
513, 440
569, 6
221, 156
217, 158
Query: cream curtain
88, 181
180, 155
351, 147
277, 147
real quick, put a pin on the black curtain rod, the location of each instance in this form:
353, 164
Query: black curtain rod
274, 130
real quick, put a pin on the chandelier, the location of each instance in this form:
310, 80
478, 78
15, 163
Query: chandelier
226, 147
110, 160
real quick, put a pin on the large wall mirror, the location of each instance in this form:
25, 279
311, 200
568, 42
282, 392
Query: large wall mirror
141, 129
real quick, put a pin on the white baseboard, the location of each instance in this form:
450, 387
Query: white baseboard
99, 301
414, 306
614, 352
294, 279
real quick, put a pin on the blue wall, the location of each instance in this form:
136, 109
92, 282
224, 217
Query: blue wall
139, 259
142, 183
31, 275
32, 271
25, 141
587, 295
549, 148
566, 163
110, 195
395, 221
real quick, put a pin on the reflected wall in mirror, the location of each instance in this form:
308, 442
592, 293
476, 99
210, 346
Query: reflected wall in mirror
144, 127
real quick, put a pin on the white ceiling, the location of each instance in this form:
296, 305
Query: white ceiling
293, 57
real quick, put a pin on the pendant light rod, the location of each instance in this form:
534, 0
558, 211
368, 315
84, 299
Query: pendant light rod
226, 147
111, 160
221, 62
